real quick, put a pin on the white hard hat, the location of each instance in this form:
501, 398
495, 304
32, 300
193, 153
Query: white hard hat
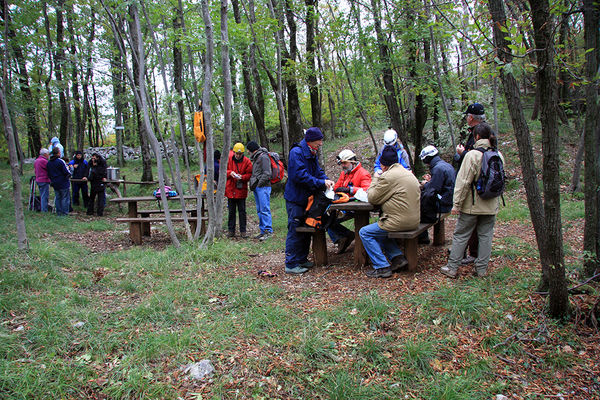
346, 155
390, 137
428, 151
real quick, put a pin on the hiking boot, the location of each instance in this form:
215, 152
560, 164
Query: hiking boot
481, 274
265, 236
259, 236
298, 270
467, 260
307, 264
445, 270
344, 243
380, 273
230, 234
243, 235
399, 263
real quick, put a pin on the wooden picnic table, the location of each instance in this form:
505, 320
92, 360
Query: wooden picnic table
114, 184
140, 221
361, 212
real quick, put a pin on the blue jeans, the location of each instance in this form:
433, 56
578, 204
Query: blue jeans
262, 197
61, 201
297, 244
44, 193
378, 245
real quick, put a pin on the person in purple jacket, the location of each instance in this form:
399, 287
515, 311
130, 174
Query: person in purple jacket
42, 179
60, 180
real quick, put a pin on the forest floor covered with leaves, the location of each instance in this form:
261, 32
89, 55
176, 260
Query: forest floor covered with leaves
85, 314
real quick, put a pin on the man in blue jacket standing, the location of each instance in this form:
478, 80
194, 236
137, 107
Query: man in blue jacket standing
305, 177
59, 178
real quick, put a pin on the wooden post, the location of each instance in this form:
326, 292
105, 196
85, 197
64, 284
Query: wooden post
439, 233
361, 218
319, 247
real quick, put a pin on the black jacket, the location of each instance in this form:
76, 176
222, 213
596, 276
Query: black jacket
97, 174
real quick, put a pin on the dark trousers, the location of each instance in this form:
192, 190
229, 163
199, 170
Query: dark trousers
76, 187
240, 204
297, 245
100, 194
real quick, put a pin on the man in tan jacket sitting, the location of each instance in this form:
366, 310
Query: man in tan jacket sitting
398, 192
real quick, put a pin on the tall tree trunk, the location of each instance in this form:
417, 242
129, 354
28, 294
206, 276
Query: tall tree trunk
546, 86
313, 84
515, 107
33, 127
79, 138
50, 121
388, 77
178, 83
87, 109
296, 132
575, 179
119, 103
14, 168
591, 233
59, 64
252, 89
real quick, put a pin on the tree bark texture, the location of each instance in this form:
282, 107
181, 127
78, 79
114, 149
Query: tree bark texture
512, 95
387, 75
313, 84
591, 234
79, 134
296, 133
59, 63
33, 127
15, 172
546, 86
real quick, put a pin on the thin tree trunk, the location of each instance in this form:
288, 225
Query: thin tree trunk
252, 89
178, 83
16, 178
522, 134
575, 179
210, 169
591, 233
388, 77
546, 86
296, 132
79, 138
33, 127
311, 26
358, 105
59, 61
441, 87
51, 130
177, 177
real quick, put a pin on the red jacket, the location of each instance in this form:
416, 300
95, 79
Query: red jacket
244, 168
359, 177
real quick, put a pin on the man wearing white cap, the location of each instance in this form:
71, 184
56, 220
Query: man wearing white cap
437, 188
352, 178
390, 138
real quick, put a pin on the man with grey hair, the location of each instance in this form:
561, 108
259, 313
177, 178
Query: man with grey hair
475, 115
41, 178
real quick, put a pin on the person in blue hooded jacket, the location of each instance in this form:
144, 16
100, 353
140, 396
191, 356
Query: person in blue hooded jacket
55, 142
390, 138
59, 177
305, 177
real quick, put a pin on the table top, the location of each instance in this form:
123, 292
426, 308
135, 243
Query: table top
353, 206
148, 198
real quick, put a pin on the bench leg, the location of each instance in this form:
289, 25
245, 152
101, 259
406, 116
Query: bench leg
410, 252
193, 226
135, 232
145, 225
439, 233
319, 246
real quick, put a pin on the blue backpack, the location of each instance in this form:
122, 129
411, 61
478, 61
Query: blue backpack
491, 181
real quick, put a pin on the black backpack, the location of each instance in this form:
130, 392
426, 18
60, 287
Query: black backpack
491, 181
316, 214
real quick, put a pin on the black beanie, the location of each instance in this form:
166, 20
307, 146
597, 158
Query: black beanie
389, 156
252, 146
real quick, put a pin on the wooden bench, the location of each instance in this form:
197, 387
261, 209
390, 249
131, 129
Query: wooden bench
140, 226
319, 244
411, 239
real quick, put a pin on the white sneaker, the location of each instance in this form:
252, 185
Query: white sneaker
445, 270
